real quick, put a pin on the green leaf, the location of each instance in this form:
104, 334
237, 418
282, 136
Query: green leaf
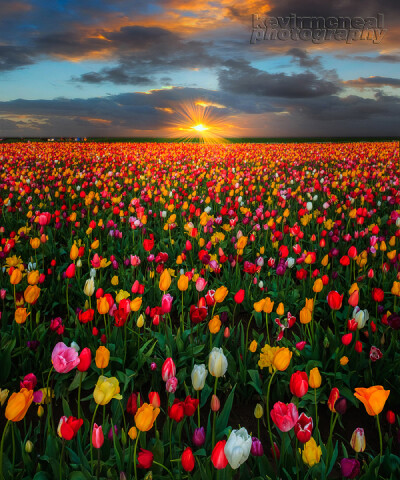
223, 418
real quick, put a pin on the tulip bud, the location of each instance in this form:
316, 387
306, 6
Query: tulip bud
215, 403
390, 417
258, 411
40, 411
28, 446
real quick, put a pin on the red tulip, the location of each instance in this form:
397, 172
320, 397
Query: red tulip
168, 369
188, 460
378, 295
303, 428
177, 410
85, 360
346, 339
154, 399
284, 416
335, 300
190, 405
239, 296
70, 272
86, 316
299, 384
70, 427
97, 436
148, 244
354, 298
145, 458
334, 395
352, 252
132, 405
390, 417
358, 347
218, 456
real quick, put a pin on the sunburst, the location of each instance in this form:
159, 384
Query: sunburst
199, 121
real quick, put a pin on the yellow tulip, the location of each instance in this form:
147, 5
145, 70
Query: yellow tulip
3, 396
311, 453
114, 280
344, 360
105, 390
165, 280
396, 289
132, 433
258, 411
95, 244
102, 357
140, 321
253, 346
145, 417
241, 243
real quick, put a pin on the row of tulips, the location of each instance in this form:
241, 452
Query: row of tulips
154, 296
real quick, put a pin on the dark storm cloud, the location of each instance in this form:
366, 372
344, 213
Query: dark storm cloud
242, 78
12, 57
374, 81
117, 75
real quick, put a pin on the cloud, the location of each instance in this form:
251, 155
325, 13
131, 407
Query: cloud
373, 81
241, 77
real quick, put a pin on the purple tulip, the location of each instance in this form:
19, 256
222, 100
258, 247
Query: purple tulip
199, 437
350, 467
257, 449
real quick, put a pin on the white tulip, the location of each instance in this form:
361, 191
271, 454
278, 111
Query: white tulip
237, 448
199, 374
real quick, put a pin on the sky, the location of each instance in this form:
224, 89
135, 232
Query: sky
157, 67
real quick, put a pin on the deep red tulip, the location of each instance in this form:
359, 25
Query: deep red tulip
346, 339
390, 417
358, 347
132, 405
299, 384
188, 460
190, 405
218, 456
85, 358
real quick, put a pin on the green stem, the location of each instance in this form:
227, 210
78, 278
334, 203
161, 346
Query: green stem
1, 449
134, 454
90, 436
268, 415
316, 411
62, 458
79, 394
13, 447
198, 408
165, 468
49, 399
247, 339
215, 413
266, 323
380, 436
98, 464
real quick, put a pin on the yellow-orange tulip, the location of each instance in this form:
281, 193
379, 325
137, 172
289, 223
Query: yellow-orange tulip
396, 289
145, 417
31, 293
35, 243
282, 358
268, 305
33, 277
259, 306
214, 324
373, 398
102, 305
165, 280
314, 379
21, 315
16, 276
241, 243
305, 315
318, 285
183, 283
136, 303
74, 252
102, 357
280, 310
18, 405
220, 294
310, 304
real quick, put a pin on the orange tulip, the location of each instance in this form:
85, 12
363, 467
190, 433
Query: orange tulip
165, 280
373, 398
15, 277
31, 293
18, 405
220, 294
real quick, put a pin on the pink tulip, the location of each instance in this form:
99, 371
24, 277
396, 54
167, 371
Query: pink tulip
64, 358
166, 303
97, 436
201, 284
168, 369
171, 385
284, 416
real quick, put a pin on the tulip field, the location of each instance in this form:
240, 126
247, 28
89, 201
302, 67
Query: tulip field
196, 311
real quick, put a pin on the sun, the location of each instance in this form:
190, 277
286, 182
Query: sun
200, 127
199, 121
